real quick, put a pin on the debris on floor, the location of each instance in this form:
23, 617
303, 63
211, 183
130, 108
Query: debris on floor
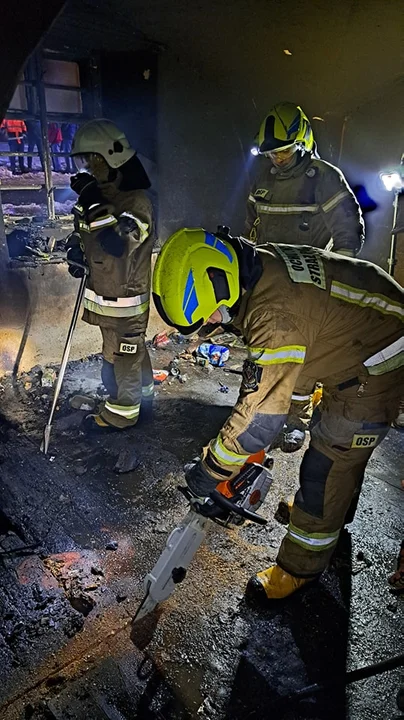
174, 368
48, 377
78, 535
216, 354
128, 460
82, 402
79, 576
31, 240
161, 340
159, 376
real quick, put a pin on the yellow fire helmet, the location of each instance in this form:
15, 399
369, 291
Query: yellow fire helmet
285, 125
196, 272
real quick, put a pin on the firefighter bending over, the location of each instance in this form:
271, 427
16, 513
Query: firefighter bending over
306, 315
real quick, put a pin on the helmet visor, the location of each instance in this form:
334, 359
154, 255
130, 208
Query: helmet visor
285, 158
82, 162
290, 149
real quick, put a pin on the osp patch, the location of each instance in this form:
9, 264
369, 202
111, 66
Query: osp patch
364, 441
127, 348
261, 192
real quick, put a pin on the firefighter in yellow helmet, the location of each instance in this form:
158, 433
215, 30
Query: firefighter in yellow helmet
114, 234
306, 315
296, 197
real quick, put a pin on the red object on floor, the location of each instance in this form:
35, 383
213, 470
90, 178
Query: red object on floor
159, 376
161, 340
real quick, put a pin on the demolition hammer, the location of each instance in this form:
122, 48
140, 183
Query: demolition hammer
231, 503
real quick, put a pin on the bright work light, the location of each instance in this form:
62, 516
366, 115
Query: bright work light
392, 180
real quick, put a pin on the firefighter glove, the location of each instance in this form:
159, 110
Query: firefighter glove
75, 255
86, 186
199, 481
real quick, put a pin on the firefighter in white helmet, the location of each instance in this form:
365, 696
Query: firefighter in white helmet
298, 198
114, 235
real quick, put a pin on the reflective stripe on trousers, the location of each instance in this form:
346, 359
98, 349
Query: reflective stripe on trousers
148, 390
225, 456
312, 541
124, 376
126, 411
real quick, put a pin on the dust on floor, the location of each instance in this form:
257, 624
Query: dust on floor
76, 539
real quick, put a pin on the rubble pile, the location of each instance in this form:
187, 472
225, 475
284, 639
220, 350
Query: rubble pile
79, 576
28, 240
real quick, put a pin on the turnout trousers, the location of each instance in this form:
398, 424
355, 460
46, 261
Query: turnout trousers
356, 417
127, 376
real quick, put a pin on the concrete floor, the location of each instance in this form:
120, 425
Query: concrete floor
76, 539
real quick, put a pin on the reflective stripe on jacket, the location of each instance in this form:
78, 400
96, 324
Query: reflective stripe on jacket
118, 307
313, 316
118, 288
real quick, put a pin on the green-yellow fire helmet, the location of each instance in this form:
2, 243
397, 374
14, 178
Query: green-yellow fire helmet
196, 272
285, 125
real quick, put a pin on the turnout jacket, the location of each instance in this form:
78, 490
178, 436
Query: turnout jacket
116, 238
310, 316
309, 204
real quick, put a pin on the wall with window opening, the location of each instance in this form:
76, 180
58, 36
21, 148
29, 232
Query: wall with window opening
56, 94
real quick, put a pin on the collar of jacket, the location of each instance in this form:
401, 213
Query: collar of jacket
131, 176
250, 271
110, 189
250, 264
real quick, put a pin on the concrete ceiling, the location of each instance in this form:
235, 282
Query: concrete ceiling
22, 26
342, 53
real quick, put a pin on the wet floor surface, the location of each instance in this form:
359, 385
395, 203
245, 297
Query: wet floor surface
76, 539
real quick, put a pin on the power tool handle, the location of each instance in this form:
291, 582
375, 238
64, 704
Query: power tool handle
227, 505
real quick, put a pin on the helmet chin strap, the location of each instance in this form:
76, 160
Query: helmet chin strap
226, 317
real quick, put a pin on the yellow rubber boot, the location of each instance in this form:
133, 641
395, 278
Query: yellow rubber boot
94, 423
274, 584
